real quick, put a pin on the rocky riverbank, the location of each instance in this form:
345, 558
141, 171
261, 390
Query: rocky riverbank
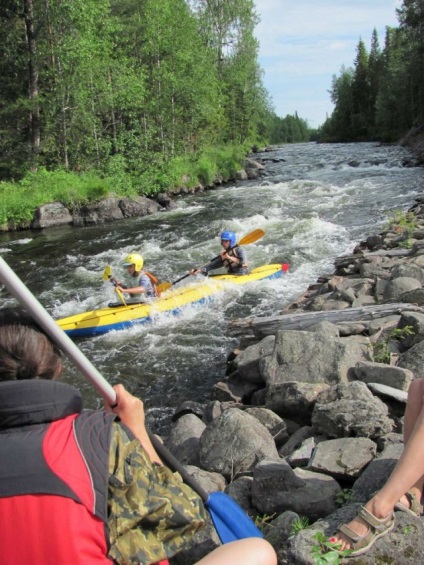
113, 208
308, 423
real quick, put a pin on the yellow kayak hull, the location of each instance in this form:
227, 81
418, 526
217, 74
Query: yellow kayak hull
120, 317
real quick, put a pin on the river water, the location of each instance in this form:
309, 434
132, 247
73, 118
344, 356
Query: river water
315, 203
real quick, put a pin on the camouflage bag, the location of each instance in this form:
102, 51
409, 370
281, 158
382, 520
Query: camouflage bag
152, 513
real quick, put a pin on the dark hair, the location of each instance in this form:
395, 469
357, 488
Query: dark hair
25, 350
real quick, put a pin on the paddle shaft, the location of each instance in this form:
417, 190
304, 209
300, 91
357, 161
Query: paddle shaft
214, 259
22, 294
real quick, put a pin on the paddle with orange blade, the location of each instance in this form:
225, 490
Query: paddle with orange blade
249, 238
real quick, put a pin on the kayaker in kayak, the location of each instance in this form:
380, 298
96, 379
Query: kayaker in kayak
86, 486
146, 283
232, 257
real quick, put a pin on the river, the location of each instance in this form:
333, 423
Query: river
314, 203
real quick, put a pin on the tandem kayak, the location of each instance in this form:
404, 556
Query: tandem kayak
119, 317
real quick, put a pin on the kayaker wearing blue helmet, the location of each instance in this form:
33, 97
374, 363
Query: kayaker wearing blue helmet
232, 257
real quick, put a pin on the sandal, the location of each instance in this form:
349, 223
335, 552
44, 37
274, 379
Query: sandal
415, 508
376, 529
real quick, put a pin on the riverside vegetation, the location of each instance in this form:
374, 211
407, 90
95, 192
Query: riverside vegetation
107, 98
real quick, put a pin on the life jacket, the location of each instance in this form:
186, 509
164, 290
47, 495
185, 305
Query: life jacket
53, 483
54, 472
240, 268
154, 282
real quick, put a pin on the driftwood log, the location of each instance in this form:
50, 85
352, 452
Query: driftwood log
269, 325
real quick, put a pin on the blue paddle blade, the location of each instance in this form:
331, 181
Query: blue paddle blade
231, 522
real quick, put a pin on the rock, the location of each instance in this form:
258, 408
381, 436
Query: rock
138, 206
247, 362
311, 357
277, 487
49, 215
350, 410
273, 423
293, 399
344, 459
183, 441
395, 377
388, 392
234, 442
396, 287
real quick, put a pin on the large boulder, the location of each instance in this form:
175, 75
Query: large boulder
311, 357
49, 215
234, 442
350, 410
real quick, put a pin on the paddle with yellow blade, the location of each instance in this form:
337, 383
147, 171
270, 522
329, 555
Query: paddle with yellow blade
107, 276
249, 238
230, 520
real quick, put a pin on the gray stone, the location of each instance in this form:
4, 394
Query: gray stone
391, 376
234, 442
49, 215
350, 410
344, 458
277, 488
310, 357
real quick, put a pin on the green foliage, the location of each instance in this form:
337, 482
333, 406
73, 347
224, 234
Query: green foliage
290, 129
326, 552
300, 523
344, 496
20, 200
382, 348
382, 96
261, 521
130, 97
402, 222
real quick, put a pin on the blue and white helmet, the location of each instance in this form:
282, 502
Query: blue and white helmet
229, 236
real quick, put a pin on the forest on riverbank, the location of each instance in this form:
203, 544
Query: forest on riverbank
382, 96
129, 97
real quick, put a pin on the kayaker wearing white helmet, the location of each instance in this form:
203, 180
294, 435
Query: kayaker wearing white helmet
232, 257
145, 285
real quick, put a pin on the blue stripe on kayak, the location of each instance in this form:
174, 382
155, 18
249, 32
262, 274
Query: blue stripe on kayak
99, 330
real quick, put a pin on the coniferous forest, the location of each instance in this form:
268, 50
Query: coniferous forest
133, 97
382, 96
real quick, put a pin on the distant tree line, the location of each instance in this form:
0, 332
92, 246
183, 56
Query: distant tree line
290, 129
382, 96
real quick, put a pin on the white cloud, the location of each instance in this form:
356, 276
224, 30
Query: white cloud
303, 43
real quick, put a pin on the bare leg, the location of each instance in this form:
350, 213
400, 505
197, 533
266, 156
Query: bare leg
413, 409
408, 471
250, 551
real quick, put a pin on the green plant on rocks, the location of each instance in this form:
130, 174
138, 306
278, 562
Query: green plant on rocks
382, 348
344, 496
402, 222
300, 523
263, 520
327, 552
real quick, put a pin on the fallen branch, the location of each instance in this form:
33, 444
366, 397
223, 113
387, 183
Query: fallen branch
261, 327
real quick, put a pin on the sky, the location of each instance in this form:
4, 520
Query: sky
303, 43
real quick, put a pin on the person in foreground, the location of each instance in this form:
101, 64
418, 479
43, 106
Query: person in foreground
402, 491
145, 282
232, 257
86, 486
